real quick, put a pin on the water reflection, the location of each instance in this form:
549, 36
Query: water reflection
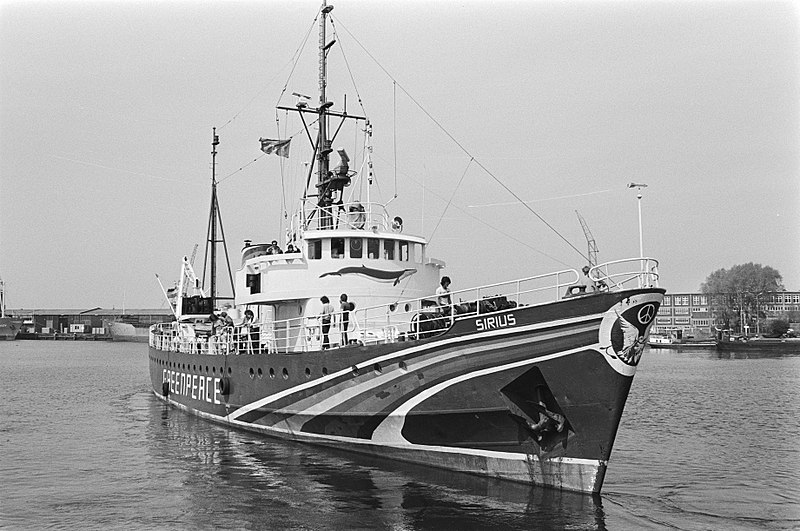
228, 477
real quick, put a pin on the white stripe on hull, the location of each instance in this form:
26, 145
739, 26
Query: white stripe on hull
355, 390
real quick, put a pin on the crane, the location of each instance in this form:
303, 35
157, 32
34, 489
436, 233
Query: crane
194, 253
589, 240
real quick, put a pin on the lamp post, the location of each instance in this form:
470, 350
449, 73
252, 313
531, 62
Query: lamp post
639, 201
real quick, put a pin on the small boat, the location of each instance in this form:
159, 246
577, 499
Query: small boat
122, 330
674, 339
756, 345
9, 326
524, 379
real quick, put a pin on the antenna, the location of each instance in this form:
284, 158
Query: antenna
639, 201
589, 240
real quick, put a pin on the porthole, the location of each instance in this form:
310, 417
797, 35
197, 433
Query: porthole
271, 372
252, 373
408, 307
213, 370
285, 374
377, 368
260, 373
403, 366
324, 371
308, 372
230, 371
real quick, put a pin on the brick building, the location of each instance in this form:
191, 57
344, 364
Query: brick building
693, 313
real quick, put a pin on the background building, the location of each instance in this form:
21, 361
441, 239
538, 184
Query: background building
695, 314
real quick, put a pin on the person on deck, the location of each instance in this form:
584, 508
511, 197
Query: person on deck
325, 317
248, 332
346, 308
273, 248
443, 295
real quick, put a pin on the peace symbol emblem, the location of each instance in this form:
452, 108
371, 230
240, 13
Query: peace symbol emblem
646, 313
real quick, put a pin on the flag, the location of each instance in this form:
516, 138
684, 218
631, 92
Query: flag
279, 147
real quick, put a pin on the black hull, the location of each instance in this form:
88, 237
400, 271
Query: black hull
535, 395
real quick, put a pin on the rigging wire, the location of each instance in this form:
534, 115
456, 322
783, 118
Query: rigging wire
296, 59
347, 64
449, 201
394, 133
283, 180
485, 223
570, 196
260, 156
293, 60
457, 143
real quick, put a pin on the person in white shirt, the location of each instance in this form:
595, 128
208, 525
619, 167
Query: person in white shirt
325, 317
443, 295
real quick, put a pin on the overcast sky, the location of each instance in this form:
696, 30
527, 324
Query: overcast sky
108, 108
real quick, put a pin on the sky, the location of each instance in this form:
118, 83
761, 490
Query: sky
107, 110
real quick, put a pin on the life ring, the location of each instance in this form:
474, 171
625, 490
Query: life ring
224, 386
165, 388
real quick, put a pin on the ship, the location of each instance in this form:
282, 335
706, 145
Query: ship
675, 339
756, 346
121, 330
523, 380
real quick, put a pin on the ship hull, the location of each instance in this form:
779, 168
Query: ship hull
533, 394
9, 328
783, 346
127, 332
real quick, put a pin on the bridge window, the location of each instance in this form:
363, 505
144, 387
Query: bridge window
337, 247
315, 249
417, 252
404, 251
254, 283
373, 244
388, 249
356, 247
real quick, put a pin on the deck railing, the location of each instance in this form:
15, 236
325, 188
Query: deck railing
402, 320
353, 216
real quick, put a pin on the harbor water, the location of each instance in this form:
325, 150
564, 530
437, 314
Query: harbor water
706, 442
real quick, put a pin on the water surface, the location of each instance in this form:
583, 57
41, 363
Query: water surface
705, 443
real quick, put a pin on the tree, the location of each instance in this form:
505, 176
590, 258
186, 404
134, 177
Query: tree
736, 293
778, 327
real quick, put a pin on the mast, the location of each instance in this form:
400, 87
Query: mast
214, 218
330, 184
324, 198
